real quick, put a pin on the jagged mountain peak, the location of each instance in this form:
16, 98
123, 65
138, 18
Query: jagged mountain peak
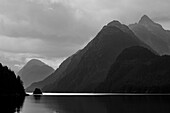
122, 27
152, 33
145, 20
84, 68
114, 23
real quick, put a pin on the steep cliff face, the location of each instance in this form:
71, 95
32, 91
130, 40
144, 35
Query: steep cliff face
152, 34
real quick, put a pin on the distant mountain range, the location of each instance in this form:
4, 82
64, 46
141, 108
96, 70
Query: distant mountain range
118, 59
86, 69
35, 70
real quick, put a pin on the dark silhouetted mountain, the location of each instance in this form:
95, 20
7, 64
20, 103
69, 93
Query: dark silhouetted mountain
9, 83
138, 70
85, 70
34, 71
152, 34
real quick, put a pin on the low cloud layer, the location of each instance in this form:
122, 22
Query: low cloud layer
52, 30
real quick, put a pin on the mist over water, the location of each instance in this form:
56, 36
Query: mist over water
88, 104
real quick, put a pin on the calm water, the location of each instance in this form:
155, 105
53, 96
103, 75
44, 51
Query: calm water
86, 104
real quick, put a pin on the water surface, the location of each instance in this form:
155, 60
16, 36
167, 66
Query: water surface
88, 104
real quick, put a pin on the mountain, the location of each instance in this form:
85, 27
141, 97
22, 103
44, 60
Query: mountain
152, 34
96, 61
138, 70
9, 83
35, 70
66, 67
86, 69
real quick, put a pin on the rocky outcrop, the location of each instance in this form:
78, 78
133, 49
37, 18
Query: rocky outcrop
37, 91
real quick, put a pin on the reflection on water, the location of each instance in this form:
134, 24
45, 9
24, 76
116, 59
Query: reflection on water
11, 104
109, 104
90, 104
37, 98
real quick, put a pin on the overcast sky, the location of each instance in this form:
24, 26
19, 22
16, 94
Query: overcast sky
52, 30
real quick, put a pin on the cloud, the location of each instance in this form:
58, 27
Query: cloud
19, 44
17, 60
45, 20
14, 60
57, 25
55, 29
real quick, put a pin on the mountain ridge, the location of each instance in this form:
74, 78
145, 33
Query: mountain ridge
152, 34
145, 20
87, 69
98, 52
134, 73
34, 70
